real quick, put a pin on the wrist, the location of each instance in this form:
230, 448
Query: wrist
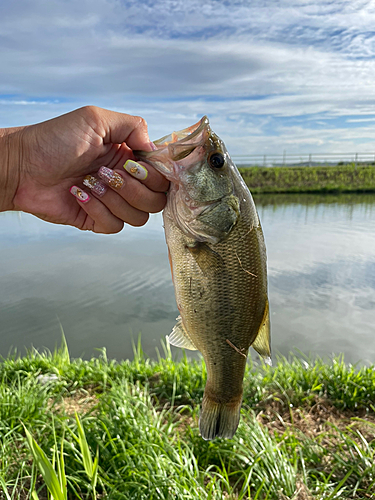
11, 152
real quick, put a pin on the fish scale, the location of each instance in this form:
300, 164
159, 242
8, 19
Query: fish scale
231, 307
218, 262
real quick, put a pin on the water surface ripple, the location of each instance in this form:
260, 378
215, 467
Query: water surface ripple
105, 290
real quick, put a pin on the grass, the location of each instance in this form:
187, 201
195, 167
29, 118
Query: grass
278, 200
129, 430
340, 178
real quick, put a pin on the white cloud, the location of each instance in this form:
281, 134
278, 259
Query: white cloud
359, 120
251, 67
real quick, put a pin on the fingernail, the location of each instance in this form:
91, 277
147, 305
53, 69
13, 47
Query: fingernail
95, 185
110, 177
136, 170
153, 147
79, 194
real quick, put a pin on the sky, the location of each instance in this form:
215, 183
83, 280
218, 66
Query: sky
272, 75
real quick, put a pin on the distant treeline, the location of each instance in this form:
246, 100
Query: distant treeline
339, 178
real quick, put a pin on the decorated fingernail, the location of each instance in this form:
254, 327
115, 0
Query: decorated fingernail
136, 170
153, 147
95, 185
110, 177
79, 194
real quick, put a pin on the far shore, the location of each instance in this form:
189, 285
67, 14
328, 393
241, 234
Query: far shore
317, 179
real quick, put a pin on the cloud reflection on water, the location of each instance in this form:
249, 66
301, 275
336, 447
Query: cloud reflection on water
106, 289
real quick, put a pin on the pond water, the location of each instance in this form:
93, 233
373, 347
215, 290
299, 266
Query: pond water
106, 290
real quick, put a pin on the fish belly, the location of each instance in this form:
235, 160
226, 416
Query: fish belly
221, 293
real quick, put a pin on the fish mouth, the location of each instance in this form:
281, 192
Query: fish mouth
188, 134
175, 147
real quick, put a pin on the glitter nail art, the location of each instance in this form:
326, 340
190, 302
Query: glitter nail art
79, 194
136, 170
110, 177
95, 185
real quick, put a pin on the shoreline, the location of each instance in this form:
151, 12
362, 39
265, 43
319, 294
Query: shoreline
335, 179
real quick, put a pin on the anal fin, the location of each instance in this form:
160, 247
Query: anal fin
180, 338
262, 341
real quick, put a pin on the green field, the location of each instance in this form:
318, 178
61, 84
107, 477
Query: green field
340, 178
306, 431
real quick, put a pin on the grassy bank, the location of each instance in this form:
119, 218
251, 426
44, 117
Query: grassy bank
342, 178
351, 199
306, 431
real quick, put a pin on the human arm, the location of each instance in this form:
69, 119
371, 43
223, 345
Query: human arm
40, 163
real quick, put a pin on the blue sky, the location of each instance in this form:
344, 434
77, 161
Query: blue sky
271, 75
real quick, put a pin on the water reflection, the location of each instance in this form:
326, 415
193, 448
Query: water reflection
106, 289
321, 252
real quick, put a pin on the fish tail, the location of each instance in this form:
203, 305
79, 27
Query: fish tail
219, 419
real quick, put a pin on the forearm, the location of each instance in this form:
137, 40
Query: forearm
10, 166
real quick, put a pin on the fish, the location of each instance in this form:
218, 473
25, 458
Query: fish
218, 261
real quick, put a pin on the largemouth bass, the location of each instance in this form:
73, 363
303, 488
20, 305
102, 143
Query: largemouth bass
218, 262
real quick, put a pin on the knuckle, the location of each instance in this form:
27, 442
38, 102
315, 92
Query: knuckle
162, 184
159, 182
91, 110
134, 194
142, 198
159, 204
115, 230
141, 220
93, 117
109, 228
142, 124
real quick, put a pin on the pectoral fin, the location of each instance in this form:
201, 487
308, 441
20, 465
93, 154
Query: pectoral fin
180, 338
262, 341
207, 259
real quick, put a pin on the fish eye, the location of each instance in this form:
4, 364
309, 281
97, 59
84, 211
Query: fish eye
216, 160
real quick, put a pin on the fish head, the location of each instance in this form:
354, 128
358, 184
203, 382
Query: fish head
201, 198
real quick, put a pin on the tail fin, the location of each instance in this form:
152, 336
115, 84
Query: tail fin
219, 419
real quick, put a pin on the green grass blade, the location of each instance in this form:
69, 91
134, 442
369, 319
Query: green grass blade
94, 478
85, 450
63, 352
341, 484
4, 488
61, 469
46, 469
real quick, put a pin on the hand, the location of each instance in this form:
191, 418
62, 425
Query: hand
46, 159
